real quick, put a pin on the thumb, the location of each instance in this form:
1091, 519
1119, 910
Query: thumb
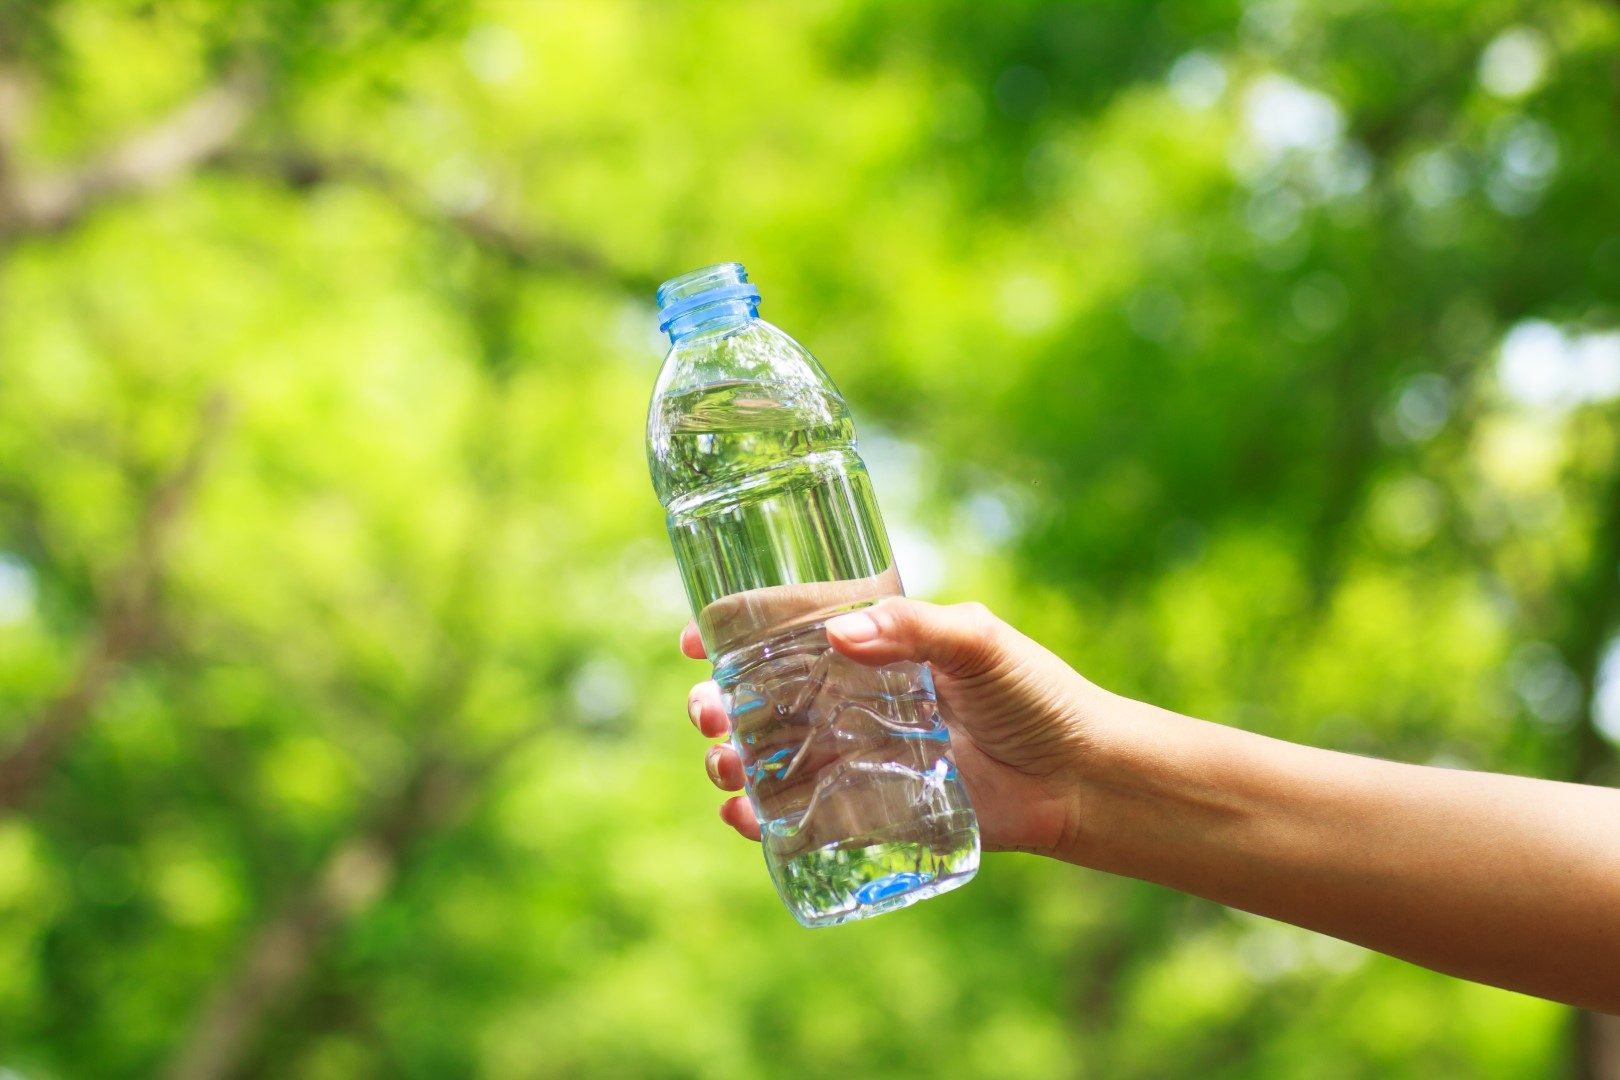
964, 640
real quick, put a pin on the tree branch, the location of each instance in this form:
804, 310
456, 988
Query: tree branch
123, 627
51, 200
203, 132
520, 246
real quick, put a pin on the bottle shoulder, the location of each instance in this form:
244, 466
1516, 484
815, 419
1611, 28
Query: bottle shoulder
754, 351
745, 404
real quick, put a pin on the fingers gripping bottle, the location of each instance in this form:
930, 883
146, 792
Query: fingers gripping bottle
776, 530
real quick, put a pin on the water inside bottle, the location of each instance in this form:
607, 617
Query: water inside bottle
861, 807
848, 767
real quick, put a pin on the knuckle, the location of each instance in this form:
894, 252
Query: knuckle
980, 635
975, 610
978, 620
894, 616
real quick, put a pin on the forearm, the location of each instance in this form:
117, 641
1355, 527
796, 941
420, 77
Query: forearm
1494, 878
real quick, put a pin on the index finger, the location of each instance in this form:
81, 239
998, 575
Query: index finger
692, 642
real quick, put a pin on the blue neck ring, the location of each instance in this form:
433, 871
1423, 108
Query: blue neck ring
725, 293
699, 296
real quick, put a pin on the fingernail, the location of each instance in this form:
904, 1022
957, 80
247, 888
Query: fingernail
693, 711
709, 763
855, 626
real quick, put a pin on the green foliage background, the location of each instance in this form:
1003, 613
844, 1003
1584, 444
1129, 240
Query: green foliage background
1259, 358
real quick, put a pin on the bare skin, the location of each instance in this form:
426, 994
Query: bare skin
1499, 879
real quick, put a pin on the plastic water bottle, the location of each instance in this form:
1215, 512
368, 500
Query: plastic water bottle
776, 530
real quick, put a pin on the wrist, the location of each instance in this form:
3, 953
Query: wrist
1104, 757
1144, 782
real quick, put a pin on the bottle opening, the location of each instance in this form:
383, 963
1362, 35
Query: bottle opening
702, 295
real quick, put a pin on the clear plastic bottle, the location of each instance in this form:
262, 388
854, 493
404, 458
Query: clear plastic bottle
776, 529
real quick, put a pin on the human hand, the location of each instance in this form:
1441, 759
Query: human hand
1020, 718
1501, 879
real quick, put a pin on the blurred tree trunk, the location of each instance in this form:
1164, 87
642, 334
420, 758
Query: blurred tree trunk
1597, 1046
1593, 607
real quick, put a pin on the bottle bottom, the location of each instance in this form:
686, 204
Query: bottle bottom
867, 876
